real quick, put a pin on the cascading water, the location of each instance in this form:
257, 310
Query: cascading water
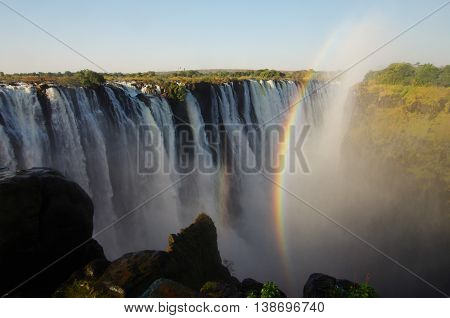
91, 136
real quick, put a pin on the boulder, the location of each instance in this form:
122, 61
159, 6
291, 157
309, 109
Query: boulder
45, 219
166, 288
251, 287
220, 289
324, 286
82, 283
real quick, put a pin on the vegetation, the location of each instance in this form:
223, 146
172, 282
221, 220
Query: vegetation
173, 85
175, 91
407, 127
253, 294
408, 74
89, 78
85, 78
270, 290
212, 289
187, 77
363, 290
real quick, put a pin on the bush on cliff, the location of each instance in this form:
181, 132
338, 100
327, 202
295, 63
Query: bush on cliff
175, 92
88, 78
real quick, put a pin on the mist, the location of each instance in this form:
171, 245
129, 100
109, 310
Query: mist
370, 223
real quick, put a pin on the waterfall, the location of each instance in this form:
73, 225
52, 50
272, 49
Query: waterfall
92, 135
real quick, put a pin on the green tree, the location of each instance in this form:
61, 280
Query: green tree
397, 73
427, 74
270, 290
89, 78
175, 92
444, 76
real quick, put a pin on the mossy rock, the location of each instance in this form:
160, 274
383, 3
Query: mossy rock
166, 288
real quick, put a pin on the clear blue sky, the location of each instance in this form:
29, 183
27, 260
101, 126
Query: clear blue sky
136, 35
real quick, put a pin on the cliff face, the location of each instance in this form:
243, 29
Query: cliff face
406, 128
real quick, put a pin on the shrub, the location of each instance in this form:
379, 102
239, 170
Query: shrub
175, 92
407, 74
362, 291
444, 76
427, 74
397, 73
89, 78
252, 294
270, 290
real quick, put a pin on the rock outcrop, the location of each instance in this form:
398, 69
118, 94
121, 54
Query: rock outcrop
43, 217
323, 286
192, 259
196, 254
166, 288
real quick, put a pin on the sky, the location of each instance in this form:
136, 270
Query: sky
140, 36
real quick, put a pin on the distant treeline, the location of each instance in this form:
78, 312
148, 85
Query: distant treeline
186, 77
85, 78
408, 74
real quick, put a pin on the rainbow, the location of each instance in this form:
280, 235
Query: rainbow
278, 192
292, 119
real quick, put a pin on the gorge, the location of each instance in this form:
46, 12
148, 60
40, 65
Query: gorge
96, 137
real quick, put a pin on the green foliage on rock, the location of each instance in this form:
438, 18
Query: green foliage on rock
270, 290
363, 290
220, 289
252, 294
88, 78
175, 91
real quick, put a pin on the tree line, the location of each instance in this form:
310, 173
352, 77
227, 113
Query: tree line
409, 74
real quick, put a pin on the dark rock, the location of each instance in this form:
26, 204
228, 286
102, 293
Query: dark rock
82, 283
166, 288
220, 289
135, 272
192, 258
250, 286
324, 286
128, 276
196, 254
43, 217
